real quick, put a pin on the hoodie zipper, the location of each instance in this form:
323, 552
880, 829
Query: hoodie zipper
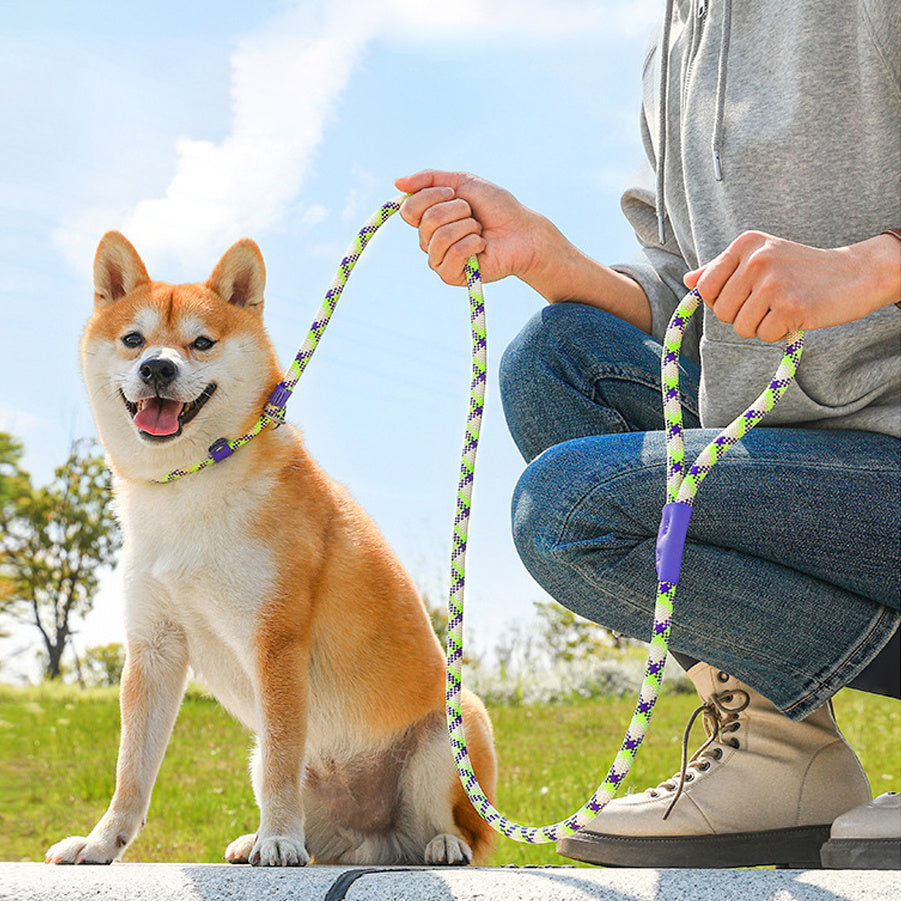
719, 124
697, 28
697, 16
696, 23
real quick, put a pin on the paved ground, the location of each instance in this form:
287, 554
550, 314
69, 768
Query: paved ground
222, 882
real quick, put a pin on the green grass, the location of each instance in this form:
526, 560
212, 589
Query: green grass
57, 766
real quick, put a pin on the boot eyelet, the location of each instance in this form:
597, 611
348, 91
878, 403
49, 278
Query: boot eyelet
653, 793
703, 767
733, 742
722, 677
689, 777
717, 753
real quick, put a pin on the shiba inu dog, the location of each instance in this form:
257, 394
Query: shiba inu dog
267, 580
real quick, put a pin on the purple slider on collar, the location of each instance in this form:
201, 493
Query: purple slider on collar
220, 449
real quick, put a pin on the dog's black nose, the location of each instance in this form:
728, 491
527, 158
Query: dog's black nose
158, 373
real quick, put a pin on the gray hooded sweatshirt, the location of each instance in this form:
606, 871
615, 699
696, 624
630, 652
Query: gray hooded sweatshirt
783, 117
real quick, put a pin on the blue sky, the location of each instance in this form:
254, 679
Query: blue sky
189, 125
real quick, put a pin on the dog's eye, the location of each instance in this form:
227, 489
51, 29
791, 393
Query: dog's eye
203, 343
133, 339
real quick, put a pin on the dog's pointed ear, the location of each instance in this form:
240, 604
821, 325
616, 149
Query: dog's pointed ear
240, 276
118, 269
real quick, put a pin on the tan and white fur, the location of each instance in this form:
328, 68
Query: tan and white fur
268, 581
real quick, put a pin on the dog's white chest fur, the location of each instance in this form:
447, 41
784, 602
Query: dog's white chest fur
192, 563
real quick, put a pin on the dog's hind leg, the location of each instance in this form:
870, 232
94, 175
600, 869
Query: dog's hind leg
427, 826
439, 816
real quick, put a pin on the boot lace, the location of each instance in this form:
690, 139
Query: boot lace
720, 718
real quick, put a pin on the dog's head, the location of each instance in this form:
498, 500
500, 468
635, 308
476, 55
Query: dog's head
172, 368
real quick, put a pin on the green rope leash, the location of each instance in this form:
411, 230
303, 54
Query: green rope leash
273, 414
681, 489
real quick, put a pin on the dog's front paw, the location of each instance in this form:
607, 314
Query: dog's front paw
277, 851
239, 850
78, 849
447, 850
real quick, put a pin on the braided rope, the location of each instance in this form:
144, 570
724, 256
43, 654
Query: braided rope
681, 489
273, 412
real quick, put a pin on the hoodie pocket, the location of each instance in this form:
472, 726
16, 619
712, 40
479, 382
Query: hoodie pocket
834, 388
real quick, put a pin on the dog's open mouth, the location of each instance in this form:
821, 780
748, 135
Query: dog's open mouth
161, 417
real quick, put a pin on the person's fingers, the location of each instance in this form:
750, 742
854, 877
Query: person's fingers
452, 269
772, 328
410, 184
445, 213
731, 299
414, 207
444, 236
716, 275
433, 178
428, 178
748, 316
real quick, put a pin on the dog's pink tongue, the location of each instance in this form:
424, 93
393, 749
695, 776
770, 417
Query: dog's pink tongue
158, 416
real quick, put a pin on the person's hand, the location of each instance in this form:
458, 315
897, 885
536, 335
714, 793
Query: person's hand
459, 216
767, 286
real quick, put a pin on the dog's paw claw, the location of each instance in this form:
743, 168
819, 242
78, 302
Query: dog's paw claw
278, 851
79, 849
447, 850
239, 850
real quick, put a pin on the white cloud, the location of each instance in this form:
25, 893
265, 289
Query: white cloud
284, 82
286, 79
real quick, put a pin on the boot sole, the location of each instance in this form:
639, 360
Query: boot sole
797, 848
862, 854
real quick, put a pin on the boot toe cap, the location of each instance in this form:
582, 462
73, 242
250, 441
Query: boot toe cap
879, 818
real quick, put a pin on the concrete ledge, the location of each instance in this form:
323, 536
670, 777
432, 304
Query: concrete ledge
223, 882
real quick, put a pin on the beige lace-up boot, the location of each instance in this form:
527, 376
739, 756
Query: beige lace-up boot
763, 790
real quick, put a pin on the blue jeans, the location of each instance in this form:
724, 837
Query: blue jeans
790, 579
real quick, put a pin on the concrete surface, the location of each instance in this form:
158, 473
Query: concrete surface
223, 882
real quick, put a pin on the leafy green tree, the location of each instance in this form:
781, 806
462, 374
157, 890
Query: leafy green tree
14, 481
15, 491
103, 664
55, 542
566, 636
